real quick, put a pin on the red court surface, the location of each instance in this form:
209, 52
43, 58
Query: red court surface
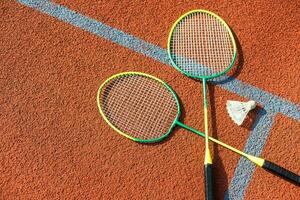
54, 143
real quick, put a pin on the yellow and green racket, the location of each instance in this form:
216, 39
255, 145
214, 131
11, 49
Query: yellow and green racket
145, 109
201, 45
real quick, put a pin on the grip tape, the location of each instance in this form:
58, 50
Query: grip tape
208, 182
280, 171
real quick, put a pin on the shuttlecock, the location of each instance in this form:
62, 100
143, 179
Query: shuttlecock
238, 110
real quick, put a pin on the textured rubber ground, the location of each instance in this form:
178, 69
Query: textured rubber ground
54, 143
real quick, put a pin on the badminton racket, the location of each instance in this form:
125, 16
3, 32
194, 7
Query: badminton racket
201, 45
145, 109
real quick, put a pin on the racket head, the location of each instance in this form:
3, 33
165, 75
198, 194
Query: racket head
199, 63
113, 98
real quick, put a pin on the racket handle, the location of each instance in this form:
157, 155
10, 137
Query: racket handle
208, 182
280, 171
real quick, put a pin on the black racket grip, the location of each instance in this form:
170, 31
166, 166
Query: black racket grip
208, 182
280, 171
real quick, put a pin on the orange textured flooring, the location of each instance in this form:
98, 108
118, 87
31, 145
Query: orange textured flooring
55, 145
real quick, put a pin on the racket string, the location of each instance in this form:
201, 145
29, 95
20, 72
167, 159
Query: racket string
139, 106
201, 45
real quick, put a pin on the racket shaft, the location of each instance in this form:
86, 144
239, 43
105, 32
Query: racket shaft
208, 159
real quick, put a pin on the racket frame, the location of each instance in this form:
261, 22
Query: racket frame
102, 86
175, 122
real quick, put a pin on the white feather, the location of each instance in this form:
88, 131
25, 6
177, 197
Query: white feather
238, 110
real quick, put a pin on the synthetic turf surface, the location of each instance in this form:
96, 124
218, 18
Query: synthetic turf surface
54, 143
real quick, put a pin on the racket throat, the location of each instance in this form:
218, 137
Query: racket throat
207, 159
258, 161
